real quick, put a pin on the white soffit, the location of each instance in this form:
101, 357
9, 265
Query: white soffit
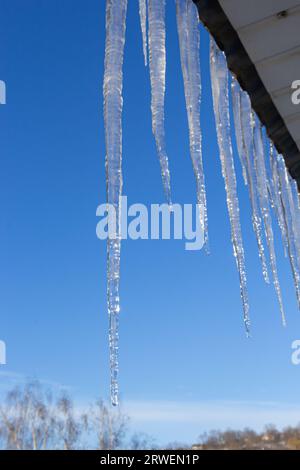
270, 32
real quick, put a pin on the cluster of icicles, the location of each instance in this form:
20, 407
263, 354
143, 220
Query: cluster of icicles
264, 171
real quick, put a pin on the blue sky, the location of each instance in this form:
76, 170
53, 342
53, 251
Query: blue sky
185, 362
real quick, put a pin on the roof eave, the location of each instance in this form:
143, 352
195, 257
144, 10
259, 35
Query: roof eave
239, 63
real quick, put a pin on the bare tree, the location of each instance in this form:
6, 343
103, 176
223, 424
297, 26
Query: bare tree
110, 426
27, 418
69, 427
32, 418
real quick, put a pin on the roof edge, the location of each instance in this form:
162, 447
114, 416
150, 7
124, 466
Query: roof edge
239, 63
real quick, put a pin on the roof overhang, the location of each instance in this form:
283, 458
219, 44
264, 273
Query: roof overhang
261, 41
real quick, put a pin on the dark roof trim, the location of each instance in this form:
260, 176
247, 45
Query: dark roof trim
215, 20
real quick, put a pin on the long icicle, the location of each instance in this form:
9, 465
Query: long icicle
157, 62
189, 42
113, 103
219, 79
143, 20
263, 195
243, 132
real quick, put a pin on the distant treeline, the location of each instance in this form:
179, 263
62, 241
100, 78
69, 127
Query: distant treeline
270, 439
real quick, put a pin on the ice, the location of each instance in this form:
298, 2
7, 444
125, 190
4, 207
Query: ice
143, 20
252, 154
276, 191
263, 194
268, 181
189, 43
113, 104
219, 79
287, 202
157, 63
243, 132
240, 139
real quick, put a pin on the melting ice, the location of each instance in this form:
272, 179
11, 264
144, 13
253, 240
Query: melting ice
264, 170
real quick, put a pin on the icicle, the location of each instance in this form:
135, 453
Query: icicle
276, 189
236, 104
266, 145
143, 19
295, 194
243, 131
113, 104
253, 157
157, 61
287, 206
219, 79
189, 42
295, 213
261, 177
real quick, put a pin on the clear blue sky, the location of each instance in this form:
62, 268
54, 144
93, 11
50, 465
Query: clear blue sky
185, 362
